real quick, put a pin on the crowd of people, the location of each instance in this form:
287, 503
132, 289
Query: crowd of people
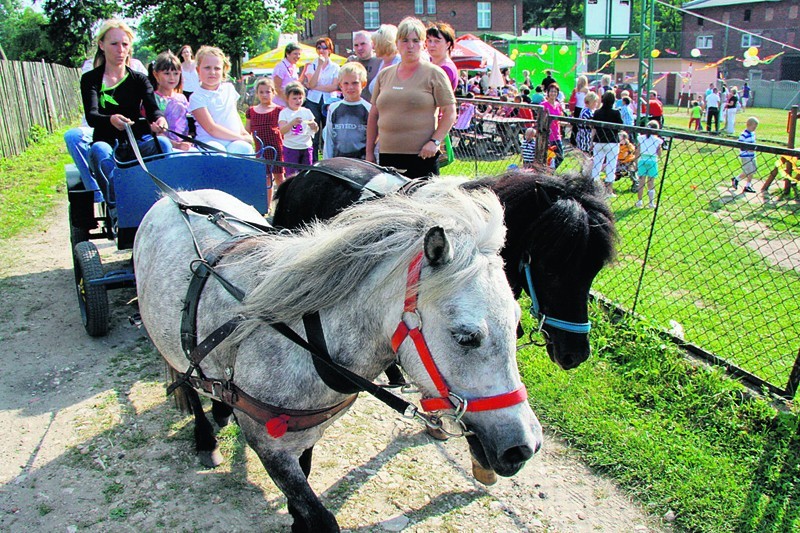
392, 102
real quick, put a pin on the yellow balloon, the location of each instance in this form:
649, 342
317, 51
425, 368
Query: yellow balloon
752, 51
655, 53
563, 50
544, 48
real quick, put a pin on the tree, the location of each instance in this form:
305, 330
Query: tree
232, 25
72, 24
25, 38
553, 14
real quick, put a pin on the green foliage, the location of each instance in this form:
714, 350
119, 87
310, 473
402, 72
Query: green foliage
37, 134
72, 25
30, 184
553, 14
23, 34
232, 25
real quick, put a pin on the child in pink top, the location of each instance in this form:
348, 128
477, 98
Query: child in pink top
553, 107
165, 76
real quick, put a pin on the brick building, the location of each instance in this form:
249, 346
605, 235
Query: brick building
341, 18
775, 19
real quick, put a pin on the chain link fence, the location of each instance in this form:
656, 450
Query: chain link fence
715, 267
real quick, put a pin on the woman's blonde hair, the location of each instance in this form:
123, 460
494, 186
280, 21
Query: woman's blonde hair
213, 51
410, 25
384, 40
581, 82
111, 24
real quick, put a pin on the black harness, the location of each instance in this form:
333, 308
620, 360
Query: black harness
277, 420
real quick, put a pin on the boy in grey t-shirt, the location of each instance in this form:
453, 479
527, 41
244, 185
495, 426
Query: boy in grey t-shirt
345, 134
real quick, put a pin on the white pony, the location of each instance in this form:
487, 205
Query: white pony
413, 279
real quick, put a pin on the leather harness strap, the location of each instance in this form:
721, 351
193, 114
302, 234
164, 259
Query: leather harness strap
277, 420
411, 326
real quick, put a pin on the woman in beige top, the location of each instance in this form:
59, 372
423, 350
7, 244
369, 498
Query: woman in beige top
406, 100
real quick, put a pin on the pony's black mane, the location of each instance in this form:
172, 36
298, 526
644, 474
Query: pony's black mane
566, 217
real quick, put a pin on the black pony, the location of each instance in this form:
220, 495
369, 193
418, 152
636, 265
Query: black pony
560, 234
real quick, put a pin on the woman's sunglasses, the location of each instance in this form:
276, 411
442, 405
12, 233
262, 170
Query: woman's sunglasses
322, 47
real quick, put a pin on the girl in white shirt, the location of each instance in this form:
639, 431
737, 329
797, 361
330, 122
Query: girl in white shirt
214, 105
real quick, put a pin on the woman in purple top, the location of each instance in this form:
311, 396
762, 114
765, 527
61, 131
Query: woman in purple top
554, 109
440, 39
286, 72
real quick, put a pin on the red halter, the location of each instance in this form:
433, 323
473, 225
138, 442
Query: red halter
444, 402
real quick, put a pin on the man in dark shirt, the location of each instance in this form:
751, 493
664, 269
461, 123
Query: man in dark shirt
548, 79
362, 46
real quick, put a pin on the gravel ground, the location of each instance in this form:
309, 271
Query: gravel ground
90, 443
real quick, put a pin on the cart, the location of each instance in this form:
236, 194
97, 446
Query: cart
92, 217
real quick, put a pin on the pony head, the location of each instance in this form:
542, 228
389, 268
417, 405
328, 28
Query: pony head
562, 227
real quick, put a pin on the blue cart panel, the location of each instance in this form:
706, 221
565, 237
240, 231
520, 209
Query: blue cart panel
135, 192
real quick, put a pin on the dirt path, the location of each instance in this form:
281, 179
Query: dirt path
90, 443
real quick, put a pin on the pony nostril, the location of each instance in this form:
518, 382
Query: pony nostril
518, 454
538, 447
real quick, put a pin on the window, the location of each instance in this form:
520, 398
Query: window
705, 42
699, 22
747, 13
431, 7
750, 40
792, 12
372, 16
418, 9
769, 14
484, 15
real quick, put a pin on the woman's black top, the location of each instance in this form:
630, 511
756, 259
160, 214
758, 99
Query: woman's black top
606, 135
128, 97
732, 101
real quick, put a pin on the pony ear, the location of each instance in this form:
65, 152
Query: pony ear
437, 247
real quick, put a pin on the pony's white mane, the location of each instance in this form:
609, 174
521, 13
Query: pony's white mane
321, 265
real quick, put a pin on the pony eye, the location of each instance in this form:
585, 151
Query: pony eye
468, 339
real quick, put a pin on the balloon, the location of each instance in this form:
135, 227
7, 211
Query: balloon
655, 53
752, 51
544, 48
563, 50
695, 52
613, 48
540, 51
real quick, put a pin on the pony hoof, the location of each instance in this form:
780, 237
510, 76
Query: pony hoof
483, 475
210, 459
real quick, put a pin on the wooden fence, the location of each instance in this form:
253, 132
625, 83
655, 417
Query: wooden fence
35, 94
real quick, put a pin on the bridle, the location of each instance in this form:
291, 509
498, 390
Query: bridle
411, 326
544, 320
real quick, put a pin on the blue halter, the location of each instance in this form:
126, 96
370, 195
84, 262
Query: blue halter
571, 327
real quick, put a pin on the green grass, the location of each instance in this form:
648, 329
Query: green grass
771, 127
31, 183
677, 436
702, 269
